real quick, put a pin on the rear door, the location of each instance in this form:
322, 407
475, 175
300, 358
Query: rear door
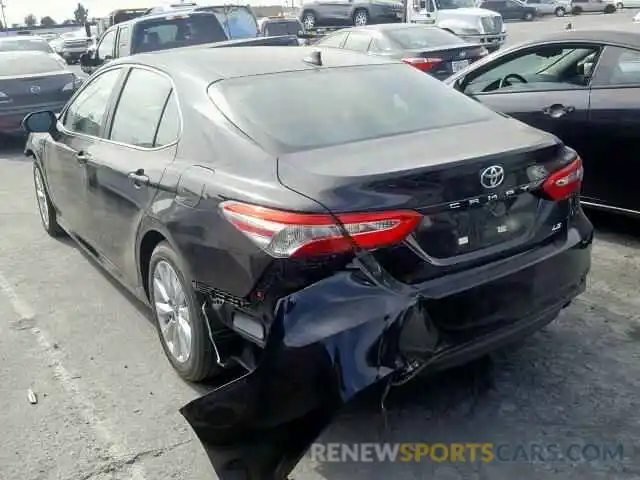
125, 172
68, 153
611, 163
542, 86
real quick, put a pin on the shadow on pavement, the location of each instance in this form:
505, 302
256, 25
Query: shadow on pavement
12, 148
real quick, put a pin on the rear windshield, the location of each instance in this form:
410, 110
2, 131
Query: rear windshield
177, 31
238, 22
422, 37
13, 64
25, 44
309, 109
282, 27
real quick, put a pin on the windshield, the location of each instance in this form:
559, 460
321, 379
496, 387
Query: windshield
282, 27
422, 37
453, 4
177, 31
347, 104
25, 44
13, 64
238, 22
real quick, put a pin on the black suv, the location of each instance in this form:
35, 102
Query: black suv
511, 9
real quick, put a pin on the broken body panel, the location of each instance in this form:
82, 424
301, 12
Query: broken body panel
372, 320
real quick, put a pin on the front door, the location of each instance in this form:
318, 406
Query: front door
128, 168
612, 168
545, 86
80, 128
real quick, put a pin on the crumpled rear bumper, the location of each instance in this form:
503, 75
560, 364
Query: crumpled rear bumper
344, 334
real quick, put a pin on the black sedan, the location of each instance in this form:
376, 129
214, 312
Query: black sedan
30, 81
428, 48
584, 87
400, 227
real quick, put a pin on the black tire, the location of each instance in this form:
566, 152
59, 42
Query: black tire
309, 20
619, 6
49, 219
201, 363
610, 9
361, 13
576, 11
528, 17
560, 12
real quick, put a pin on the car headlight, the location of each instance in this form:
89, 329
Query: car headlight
73, 85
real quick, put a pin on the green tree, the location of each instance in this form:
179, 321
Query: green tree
47, 21
81, 14
30, 20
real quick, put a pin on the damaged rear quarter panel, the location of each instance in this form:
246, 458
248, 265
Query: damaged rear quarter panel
321, 352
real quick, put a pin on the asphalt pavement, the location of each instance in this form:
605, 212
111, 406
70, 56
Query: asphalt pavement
107, 399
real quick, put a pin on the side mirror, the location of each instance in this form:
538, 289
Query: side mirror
40, 122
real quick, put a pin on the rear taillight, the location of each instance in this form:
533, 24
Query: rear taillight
289, 234
423, 64
565, 182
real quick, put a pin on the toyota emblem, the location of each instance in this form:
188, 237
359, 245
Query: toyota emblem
492, 176
35, 89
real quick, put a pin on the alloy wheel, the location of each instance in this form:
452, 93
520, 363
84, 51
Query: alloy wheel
172, 311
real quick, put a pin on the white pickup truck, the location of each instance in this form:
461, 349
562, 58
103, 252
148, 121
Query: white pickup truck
462, 18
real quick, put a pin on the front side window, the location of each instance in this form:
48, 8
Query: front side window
87, 113
358, 103
140, 108
169, 128
623, 70
105, 49
548, 67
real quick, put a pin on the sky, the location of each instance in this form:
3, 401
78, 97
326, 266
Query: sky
59, 10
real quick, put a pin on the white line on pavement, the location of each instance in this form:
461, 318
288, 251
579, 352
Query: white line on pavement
85, 405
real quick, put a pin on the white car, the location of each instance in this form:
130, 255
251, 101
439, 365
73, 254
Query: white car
628, 4
593, 6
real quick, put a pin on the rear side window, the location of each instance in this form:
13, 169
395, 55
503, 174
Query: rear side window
347, 104
333, 41
358, 42
237, 21
177, 31
169, 128
140, 108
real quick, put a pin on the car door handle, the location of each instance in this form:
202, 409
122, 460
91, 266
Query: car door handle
82, 158
558, 110
138, 178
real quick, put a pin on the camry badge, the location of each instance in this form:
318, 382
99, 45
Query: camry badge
35, 89
492, 177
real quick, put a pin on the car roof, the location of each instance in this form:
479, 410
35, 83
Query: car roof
189, 10
619, 37
211, 64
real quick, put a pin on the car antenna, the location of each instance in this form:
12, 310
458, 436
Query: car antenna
314, 59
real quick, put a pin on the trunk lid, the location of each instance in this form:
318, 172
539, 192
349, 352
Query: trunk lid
454, 57
473, 187
35, 90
